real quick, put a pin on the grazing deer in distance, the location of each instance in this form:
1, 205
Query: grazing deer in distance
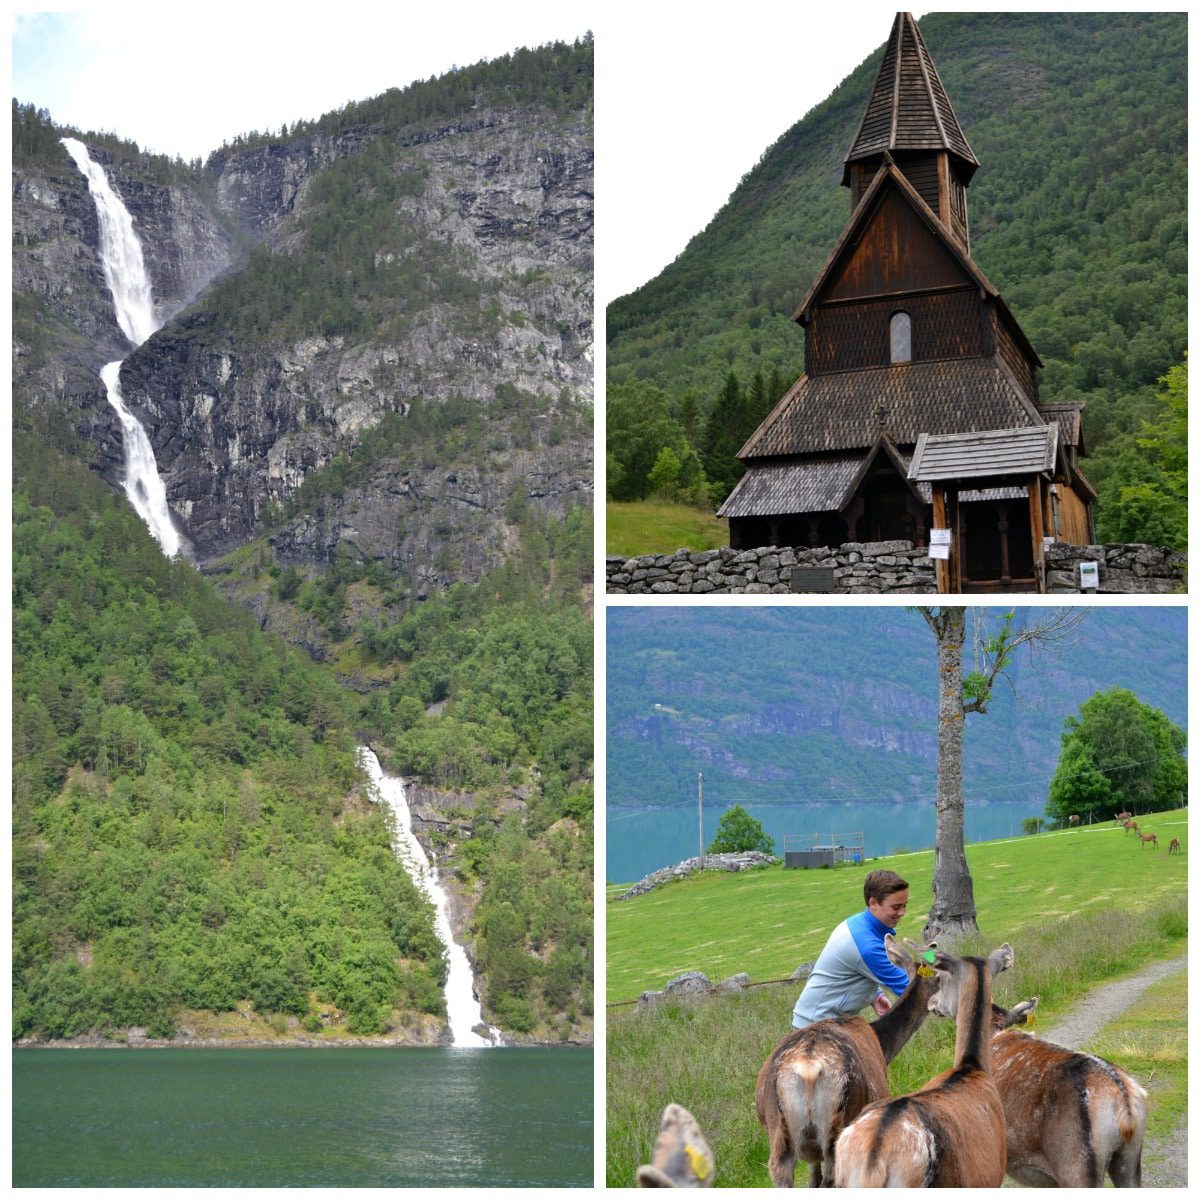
681, 1155
818, 1079
951, 1132
1070, 1118
1074, 819
1131, 824
1174, 846
1148, 837
1120, 818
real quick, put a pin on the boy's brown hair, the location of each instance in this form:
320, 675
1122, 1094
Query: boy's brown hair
879, 885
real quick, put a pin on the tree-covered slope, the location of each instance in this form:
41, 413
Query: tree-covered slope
832, 704
1078, 215
190, 828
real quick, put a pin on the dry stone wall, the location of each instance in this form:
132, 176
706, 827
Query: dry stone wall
876, 568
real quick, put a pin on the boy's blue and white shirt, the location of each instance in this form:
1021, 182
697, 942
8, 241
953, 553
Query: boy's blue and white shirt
847, 975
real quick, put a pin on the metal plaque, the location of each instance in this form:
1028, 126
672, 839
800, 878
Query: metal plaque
1089, 574
813, 579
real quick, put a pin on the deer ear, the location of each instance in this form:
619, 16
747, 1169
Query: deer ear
897, 954
1001, 959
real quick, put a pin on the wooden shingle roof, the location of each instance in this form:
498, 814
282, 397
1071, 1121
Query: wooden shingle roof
815, 485
988, 453
842, 411
908, 108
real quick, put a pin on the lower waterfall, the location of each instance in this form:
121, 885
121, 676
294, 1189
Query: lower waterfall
462, 1008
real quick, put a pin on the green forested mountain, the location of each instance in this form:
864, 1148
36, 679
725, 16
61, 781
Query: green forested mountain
841, 704
1078, 215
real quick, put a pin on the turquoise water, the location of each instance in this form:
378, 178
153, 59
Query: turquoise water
302, 1118
641, 841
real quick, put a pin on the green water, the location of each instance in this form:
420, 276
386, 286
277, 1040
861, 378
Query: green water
302, 1118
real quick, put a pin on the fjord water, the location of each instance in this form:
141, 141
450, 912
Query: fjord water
133, 305
302, 1118
462, 1008
642, 840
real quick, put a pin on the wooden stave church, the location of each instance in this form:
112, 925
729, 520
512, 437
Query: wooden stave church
919, 407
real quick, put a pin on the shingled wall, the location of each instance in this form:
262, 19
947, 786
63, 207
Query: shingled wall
874, 568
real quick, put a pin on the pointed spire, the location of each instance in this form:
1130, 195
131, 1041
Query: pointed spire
908, 108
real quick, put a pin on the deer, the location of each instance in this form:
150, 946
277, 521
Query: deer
681, 1156
1148, 837
1174, 846
1070, 1117
950, 1133
1074, 819
1131, 824
819, 1078
1120, 818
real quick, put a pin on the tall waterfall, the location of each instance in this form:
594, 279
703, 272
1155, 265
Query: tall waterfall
462, 1008
127, 279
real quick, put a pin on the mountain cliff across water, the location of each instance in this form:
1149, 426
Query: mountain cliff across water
370, 405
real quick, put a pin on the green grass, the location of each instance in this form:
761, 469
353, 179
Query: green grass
706, 1056
769, 920
651, 527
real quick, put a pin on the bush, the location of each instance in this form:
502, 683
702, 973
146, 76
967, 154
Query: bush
1032, 824
512, 1012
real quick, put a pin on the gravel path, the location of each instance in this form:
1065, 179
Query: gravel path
1106, 1004
1164, 1159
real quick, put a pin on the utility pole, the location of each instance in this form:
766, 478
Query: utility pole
700, 808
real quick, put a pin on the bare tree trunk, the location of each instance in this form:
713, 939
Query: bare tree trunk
952, 912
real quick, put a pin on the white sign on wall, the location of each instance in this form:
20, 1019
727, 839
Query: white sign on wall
939, 551
1089, 574
939, 537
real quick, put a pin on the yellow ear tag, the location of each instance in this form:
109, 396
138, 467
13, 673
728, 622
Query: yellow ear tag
1030, 1020
926, 972
701, 1167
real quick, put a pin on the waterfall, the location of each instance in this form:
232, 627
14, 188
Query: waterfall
127, 279
462, 1009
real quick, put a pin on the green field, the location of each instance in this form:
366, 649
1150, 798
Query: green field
1080, 908
768, 921
650, 527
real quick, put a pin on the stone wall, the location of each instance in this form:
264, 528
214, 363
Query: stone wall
875, 568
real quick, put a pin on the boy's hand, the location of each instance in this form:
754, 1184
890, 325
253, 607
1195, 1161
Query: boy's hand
882, 1005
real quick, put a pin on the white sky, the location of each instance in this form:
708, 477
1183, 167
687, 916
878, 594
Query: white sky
688, 97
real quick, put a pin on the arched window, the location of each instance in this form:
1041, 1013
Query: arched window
901, 337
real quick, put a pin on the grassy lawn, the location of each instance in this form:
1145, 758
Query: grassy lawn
650, 527
767, 921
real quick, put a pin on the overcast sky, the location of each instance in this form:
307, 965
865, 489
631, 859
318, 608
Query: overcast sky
688, 98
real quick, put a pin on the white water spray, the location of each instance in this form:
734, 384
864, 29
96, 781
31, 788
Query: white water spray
462, 1009
127, 279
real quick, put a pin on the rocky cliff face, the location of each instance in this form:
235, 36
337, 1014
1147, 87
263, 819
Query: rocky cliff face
238, 423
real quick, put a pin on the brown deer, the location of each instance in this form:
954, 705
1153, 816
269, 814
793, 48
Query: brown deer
818, 1079
1131, 825
1074, 819
951, 1132
1174, 846
1070, 1118
681, 1155
1148, 837
1120, 818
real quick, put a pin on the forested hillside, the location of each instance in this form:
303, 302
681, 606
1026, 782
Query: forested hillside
1078, 215
832, 704
384, 335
